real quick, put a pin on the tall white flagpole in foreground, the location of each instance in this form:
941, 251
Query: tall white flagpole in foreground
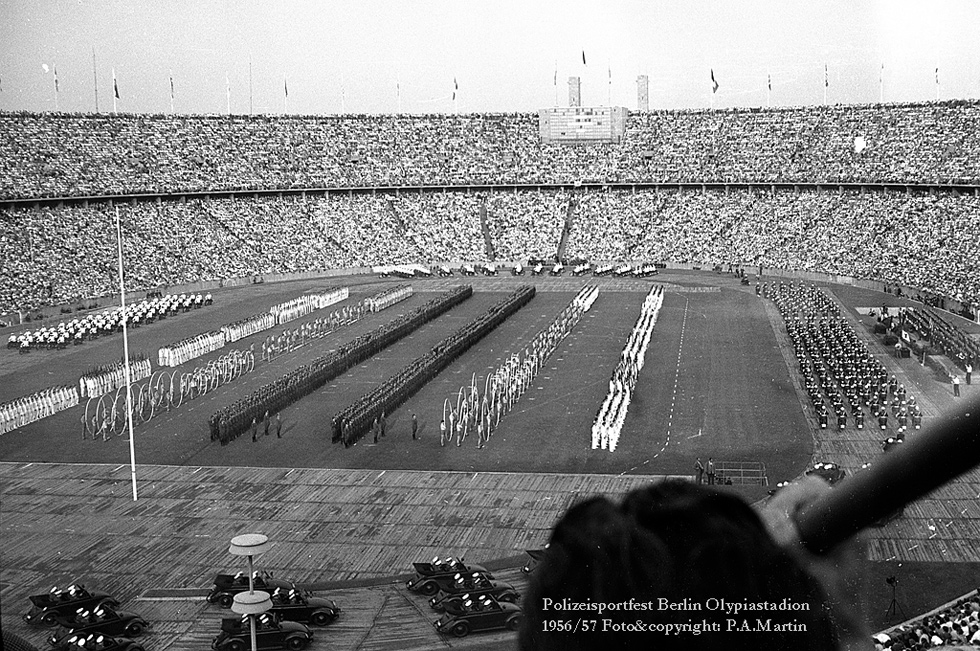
129, 376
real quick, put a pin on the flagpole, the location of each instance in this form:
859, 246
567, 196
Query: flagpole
609, 88
95, 75
172, 92
129, 376
56, 88
937, 84
826, 84
711, 97
285, 94
228, 92
250, 84
768, 88
881, 84
114, 91
398, 92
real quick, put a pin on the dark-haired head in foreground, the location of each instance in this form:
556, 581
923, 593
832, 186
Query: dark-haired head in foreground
678, 566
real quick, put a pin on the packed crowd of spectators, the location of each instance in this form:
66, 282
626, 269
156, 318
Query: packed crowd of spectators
959, 624
927, 241
526, 224
59, 254
51, 154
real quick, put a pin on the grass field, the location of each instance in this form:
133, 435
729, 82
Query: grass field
712, 385
716, 382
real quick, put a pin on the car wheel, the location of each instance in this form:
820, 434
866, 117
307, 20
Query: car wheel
508, 597
321, 618
428, 588
225, 600
296, 643
514, 622
49, 619
135, 647
236, 645
134, 629
461, 629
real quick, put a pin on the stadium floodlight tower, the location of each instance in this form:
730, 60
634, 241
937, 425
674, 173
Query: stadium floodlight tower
250, 603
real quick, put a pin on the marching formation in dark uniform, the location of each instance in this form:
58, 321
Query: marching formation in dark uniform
357, 418
229, 423
837, 367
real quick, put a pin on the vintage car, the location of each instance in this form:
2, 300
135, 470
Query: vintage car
489, 269
99, 642
57, 602
602, 270
295, 606
226, 586
556, 270
582, 269
537, 269
536, 556
517, 270
467, 270
499, 590
445, 270
461, 583
430, 577
484, 615
449, 565
103, 620
270, 633
828, 471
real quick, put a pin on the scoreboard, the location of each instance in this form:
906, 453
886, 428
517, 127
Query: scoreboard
582, 124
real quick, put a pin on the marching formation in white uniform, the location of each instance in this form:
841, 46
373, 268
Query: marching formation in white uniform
508, 382
105, 322
109, 378
247, 327
36, 406
388, 298
187, 349
306, 304
612, 414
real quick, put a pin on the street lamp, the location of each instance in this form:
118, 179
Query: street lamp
253, 602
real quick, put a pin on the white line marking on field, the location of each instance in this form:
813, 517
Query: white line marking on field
677, 375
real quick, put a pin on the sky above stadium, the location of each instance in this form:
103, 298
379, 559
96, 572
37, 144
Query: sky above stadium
412, 56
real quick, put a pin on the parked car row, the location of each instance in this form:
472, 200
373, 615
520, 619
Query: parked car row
284, 626
467, 595
86, 619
